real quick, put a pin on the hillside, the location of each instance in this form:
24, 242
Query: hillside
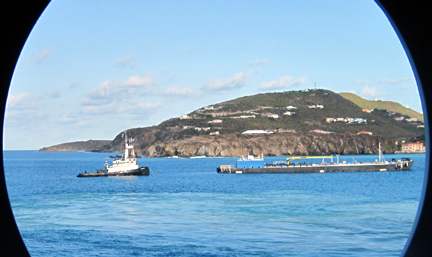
383, 105
255, 112
276, 144
88, 145
293, 116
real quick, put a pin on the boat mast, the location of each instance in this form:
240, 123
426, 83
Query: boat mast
128, 145
381, 155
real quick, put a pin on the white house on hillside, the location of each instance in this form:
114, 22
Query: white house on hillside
257, 131
215, 121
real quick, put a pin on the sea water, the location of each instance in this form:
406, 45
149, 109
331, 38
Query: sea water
185, 208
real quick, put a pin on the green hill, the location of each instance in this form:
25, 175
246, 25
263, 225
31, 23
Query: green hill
306, 112
383, 105
256, 108
88, 145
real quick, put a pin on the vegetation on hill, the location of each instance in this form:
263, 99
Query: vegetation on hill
88, 145
382, 105
303, 119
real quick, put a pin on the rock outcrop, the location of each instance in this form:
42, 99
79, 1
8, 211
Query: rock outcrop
271, 145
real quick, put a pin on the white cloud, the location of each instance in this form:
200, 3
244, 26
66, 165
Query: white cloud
131, 62
188, 50
43, 55
237, 81
258, 62
116, 91
55, 93
110, 108
382, 81
69, 119
25, 107
76, 120
22, 101
133, 109
178, 91
282, 83
372, 92
141, 108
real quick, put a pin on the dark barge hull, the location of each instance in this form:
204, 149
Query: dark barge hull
144, 171
318, 168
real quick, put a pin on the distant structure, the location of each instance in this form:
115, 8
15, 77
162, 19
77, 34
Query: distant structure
316, 106
364, 133
413, 147
270, 115
288, 113
215, 121
321, 131
257, 131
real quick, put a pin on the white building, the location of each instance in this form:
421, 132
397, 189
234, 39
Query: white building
270, 115
257, 131
185, 117
247, 116
203, 129
316, 106
215, 121
412, 120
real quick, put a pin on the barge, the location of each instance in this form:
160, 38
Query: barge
255, 164
124, 166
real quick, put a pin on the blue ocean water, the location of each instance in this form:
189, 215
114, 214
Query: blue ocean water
185, 208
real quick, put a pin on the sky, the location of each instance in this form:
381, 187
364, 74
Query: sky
92, 69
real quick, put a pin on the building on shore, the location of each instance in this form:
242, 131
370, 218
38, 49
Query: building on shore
413, 147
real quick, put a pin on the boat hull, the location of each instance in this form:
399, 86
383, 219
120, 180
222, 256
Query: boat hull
319, 168
143, 171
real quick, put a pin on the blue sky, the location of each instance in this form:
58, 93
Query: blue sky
91, 69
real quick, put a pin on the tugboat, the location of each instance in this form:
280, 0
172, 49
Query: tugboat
125, 166
255, 164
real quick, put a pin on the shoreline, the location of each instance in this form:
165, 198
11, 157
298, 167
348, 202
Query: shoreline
202, 157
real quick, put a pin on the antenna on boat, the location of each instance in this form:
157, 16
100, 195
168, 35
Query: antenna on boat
380, 154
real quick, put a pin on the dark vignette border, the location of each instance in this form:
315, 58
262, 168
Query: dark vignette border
410, 19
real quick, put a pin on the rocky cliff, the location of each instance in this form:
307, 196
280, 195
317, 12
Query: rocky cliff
271, 145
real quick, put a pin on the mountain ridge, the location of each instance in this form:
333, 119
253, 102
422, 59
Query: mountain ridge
298, 113
379, 104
